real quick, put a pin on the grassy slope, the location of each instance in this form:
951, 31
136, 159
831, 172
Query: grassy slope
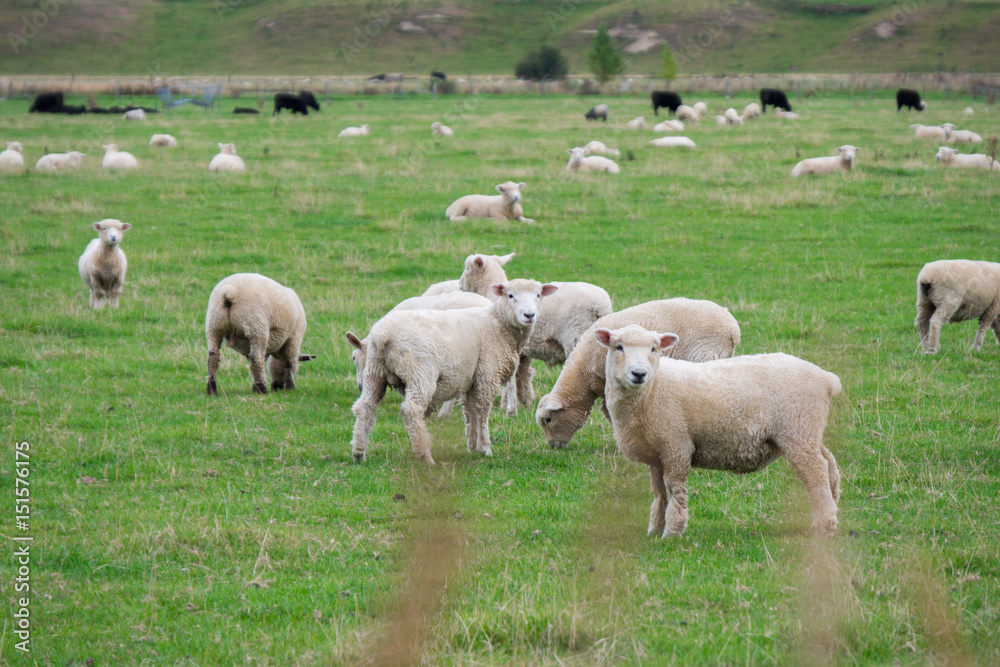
328, 37
171, 527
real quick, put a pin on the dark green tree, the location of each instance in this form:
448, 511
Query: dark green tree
604, 58
544, 64
668, 65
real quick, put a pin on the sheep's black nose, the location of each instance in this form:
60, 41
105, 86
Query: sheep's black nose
638, 375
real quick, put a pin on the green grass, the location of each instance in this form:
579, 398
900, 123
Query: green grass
172, 527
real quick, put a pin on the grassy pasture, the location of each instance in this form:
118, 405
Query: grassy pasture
174, 528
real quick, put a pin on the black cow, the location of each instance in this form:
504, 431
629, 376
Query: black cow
247, 110
438, 75
666, 99
297, 103
906, 97
775, 98
47, 103
72, 109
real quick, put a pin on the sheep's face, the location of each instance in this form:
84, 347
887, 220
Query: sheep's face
111, 231
576, 155
522, 299
110, 148
557, 422
481, 270
511, 191
75, 158
227, 149
945, 154
633, 354
847, 153
15, 146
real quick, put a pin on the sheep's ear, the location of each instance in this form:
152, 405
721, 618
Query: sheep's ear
479, 261
503, 259
552, 404
97, 226
353, 339
498, 288
569, 151
603, 336
549, 288
126, 226
500, 188
520, 186
306, 357
668, 340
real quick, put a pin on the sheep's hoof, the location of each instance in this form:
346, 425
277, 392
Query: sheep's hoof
211, 388
260, 388
359, 457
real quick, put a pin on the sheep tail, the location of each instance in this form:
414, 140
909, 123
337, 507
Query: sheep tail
925, 289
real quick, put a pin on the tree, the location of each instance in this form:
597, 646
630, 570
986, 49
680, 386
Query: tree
668, 66
544, 64
604, 57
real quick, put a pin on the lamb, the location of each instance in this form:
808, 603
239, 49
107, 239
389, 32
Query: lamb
737, 415
116, 159
442, 287
684, 112
443, 355
481, 272
668, 142
362, 131
579, 160
596, 147
102, 265
701, 109
707, 330
664, 98
962, 136
776, 98
732, 118
969, 111
57, 161
669, 126
163, 140
443, 130
929, 131
597, 111
752, 111
844, 160
952, 158
259, 318
13, 156
637, 123
721, 121
785, 115
226, 159
906, 97
506, 205
955, 290
134, 114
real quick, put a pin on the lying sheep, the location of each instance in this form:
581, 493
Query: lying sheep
952, 158
442, 355
443, 130
506, 205
669, 142
707, 330
164, 140
116, 159
752, 111
955, 290
13, 156
786, 115
227, 159
362, 131
844, 160
669, 126
579, 160
929, 131
637, 123
102, 265
737, 415
598, 148
684, 112
969, 111
259, 318
442, 287
134, 114
58, 161
597, 111
961, 136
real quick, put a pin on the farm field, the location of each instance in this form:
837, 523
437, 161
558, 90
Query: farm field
170, 527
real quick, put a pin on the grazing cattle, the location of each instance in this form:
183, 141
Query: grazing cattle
47, 103
438, 75
906, 97
775, 98
666, 99
296, 103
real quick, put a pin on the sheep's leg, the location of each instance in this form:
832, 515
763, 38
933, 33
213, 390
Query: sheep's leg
258, 356
412, 409
676, 515
657, 512
814, 466
942, 315
924, 311
114, 291
446, 409
525, 395
834, 474
996, 328
988, 319
364, 410
214, 355
98, 296
508, 396
283, 366
478, 403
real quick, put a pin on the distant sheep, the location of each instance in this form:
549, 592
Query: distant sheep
961, 136
968, 111
732, 117
443, 130
843, 161
597, 111
637, 123
579, 160
955, 290
226, 159
13, 156
300, 103
362, 131
163, 140
785, 115
684, 112
775, 98
952, 158
597, 148
666, 99
116, 159
506, 205
134, 114
906, 97
669, 126
936, 132
671, 142
751, 111
102, 265
59, 161
701, 109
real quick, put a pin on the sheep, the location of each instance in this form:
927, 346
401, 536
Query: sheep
596, 147
732, 118
930, 131
442, 287
57, 161
668, 142
825, 165
13, 156
684, 112
442, 355
737, 415
134, 114
785, 115
102, 265
579, 160
669, 126
443, 130
701, 109
961, 136
163, 140
481, 272
952, 158
362, 131
295, 103
707, 330
116, 159
775, 98
637, 123
969, 111
721, 121
506, 205
906, 97
955, 290
597, 111
664, 98
752, 111
259, 318
226, 159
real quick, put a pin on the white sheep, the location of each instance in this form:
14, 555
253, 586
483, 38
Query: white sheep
929, 131
707, 330
597, 148
962, 136
952, 158
669, 142
443, 130
737, 415
955, 290
751, 111
506, 205
58, 161
787, 115
116, 159
701, 109
481, 272
442, 355
844, 160
164, 140
362, 131
226, 159
442, 287
968, 111
261, 319
669, 126
579, 160
637, 123
12, 156
134, 114
721, 121
684, 112
102, 265
732, 117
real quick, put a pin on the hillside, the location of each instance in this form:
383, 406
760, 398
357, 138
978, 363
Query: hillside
185, 37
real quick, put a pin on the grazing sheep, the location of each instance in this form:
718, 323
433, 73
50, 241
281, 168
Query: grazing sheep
102, 265
134, 114
938, 132
259, 318
737, 415
295, 103
955, 290
579, 160
13, 156
707, 331
362, 131
163, 140
599, 148
701, 109
844, 160
906, 97
785, 115
752, 111
668, 142
443, 130
684, 112
669, 126
226, 159
732, 118
664, 98
598, 111
58, 161
442, 355
775, 98
721, 121
116, 159
506, 205
962, 136
952, 158
637, 123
